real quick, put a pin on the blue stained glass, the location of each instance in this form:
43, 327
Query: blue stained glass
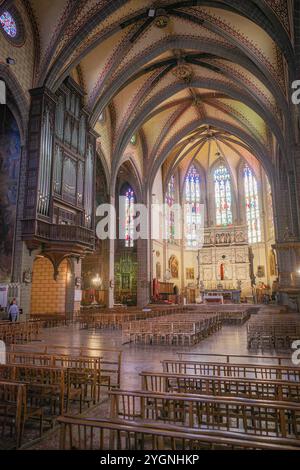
170, 216
129, 218
8, 24
192, 208
252, 206
223, 196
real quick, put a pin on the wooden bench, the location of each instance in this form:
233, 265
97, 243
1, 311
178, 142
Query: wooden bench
240, 415
47, 386
104, 434
185, 328
111, 359
15, 412
229, 358
250, 371
273, 332
221, 386
20, 332
50, 320
12, 403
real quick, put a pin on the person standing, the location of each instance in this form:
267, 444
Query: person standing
13, 311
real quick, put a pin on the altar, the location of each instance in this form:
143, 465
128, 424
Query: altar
219, 296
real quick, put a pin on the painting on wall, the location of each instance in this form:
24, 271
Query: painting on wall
190, 273
173, 266
10, 151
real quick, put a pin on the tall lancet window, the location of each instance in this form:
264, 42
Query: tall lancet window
223, 198
252, 206
170, 215
192, 208
129, 218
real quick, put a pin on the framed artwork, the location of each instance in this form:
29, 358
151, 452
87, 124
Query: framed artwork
173, 266
190, 273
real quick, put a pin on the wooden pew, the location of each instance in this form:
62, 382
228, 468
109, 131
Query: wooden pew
111, 359
250, 371
221, 386
19, 332
49, 386
245, 358
14, 410
103, 434
89, 368
240, 415
185, 328
50, 320
12, 403
273, 331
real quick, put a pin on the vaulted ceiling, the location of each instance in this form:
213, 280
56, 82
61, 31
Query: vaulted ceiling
188, 77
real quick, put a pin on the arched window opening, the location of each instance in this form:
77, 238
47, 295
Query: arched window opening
223, 198
170, 215
270, 213
252, 206
129, 218
192, 207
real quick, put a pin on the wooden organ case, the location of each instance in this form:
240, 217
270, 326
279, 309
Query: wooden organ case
59, 199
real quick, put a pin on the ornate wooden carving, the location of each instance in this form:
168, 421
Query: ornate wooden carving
59, 203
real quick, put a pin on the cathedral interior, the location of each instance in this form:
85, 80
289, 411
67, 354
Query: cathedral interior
149, 178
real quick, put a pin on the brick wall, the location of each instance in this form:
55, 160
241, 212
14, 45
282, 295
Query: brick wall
48, 295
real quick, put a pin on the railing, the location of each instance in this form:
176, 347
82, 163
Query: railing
55, 232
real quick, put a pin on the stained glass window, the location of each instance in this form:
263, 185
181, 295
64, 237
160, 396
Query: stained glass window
192, 208
133, 139
223, 196
170, 215
252, 206
129, 218
8, 24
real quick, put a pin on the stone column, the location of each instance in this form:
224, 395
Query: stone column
143, 274
76, 275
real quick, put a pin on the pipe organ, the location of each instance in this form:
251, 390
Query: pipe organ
60, 173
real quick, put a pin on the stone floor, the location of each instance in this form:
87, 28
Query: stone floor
137, 358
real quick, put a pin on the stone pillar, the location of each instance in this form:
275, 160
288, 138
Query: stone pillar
110, 259
76, 278
143, 274
26, 259
111, 274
